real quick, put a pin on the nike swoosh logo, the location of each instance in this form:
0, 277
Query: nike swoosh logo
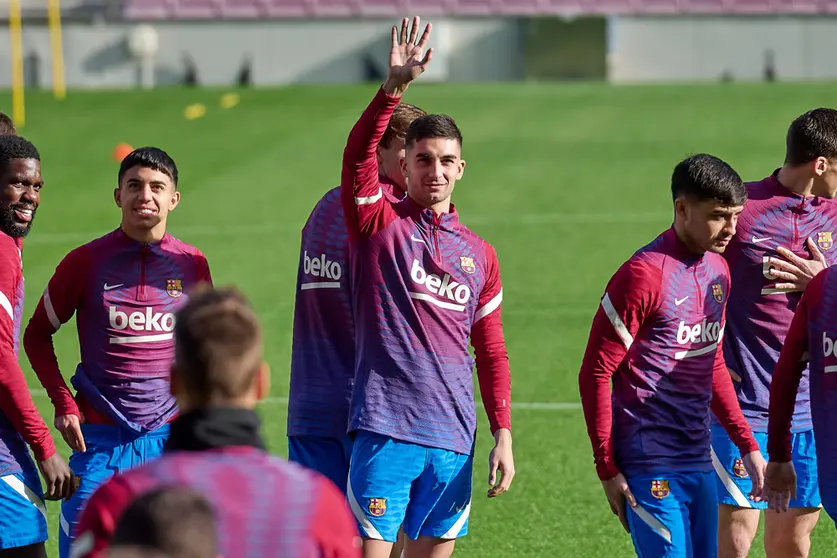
111, 287
679, 301
414, 238
757, 240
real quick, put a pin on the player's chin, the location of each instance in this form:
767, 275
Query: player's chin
719, 246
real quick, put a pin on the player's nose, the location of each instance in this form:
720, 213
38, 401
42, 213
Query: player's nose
31, 195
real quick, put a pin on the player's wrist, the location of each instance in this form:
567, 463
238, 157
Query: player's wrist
502, 436
393, 88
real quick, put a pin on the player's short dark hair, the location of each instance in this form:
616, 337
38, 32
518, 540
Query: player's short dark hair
16, 147
7, 126
400, 121
176, 521
706, 177
152, 158
433, 126
217, 344
812, 135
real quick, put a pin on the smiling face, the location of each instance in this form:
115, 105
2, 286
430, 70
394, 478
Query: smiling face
20, 196
146, 196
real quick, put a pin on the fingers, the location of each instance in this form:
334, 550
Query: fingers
506, 479
788, 255
414, 30
394, 36
621, 512
425, 36
815, 251
629, 496
786, 266
404, 25
426, 60
78, 439
492, 471
734, 375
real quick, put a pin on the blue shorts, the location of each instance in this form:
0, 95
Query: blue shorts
676, 515
110, 450
391, 483
22, 511
734, 484
328, 456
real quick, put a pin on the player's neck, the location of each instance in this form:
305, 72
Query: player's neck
686, 241
800, 182
154, 234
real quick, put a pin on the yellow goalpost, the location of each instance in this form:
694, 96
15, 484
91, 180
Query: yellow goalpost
59, 88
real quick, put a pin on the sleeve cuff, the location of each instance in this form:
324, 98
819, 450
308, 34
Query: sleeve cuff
45, 450
606, 471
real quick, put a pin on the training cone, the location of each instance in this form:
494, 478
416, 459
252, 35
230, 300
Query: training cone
121, 151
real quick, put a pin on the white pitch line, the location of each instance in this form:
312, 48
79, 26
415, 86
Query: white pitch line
521, 405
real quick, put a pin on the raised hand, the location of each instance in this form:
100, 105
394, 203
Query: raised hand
407, 59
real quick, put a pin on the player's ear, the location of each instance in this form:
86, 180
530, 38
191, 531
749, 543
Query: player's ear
680, 209
820, 166
461, 169
378, 155
402, 162
263, 381
175, 199
117, 197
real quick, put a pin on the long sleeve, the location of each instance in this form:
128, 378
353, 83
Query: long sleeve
204, 276
725, 405
59, 302
366, 208
489, 344
333, 527
631, 297
99, 518
784, 384
15, 399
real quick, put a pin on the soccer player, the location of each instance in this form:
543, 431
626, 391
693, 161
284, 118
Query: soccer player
422, 285
790, 215
323, 354
124, 289
23, 526
656, 336
264, 505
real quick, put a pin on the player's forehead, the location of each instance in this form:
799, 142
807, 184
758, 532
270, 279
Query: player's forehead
716, 207
145, 175
435, 148
24, 169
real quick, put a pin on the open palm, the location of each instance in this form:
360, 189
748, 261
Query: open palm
407, 59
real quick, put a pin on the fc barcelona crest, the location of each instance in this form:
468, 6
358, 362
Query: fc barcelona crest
467, 264
718, 292
659, 489
377, 507
739, 469
174, 287
824, 240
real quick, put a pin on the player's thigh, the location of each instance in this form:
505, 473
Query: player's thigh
22, 511
659, 523
737, 528
733, 483
381, 476
789, 533
429, 547
328, 456
440, 504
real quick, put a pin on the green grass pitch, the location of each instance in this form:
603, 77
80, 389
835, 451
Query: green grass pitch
566, 181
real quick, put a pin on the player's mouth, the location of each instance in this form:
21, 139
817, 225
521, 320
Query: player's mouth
723, 241
24, 214
145, 211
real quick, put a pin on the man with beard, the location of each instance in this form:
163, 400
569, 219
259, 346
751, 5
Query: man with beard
124, 288
23, 527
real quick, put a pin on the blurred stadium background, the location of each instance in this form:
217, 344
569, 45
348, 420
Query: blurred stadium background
569, 147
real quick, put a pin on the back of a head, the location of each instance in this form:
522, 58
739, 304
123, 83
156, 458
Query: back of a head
7, 126
705, 177
400, 121
16, 147
218, 345
812, 135
433, 126
152, 158
178, 522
